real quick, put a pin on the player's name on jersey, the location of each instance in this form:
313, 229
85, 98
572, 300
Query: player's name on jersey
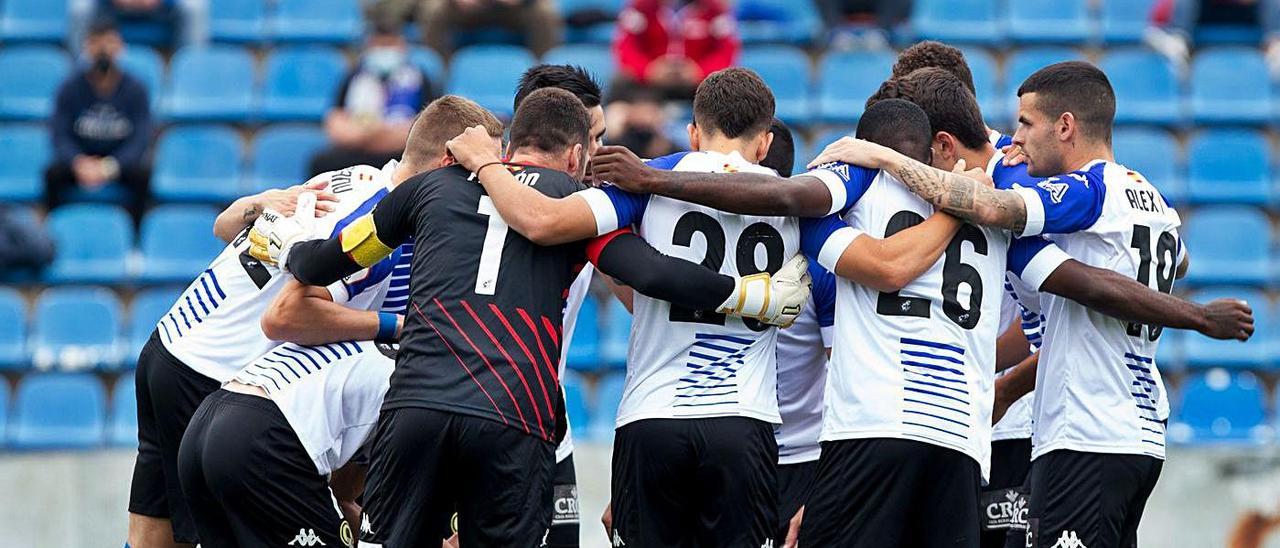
1145, 200
526, 178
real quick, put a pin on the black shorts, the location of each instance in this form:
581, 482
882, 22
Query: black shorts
427, 464
250, 482
168, 394
564, 508
695, 482
795, 482
1004, 499
1095, 498
891, 492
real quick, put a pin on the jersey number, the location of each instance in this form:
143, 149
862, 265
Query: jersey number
1166, 251
745, 255
954, 273
495, 238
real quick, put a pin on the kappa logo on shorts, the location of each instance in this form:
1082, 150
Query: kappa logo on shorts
306, 537
1069, 539
617, 540
768, 543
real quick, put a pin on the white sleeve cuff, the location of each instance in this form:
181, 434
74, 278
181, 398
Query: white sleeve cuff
835, 186
338, 290
828, 335
1035, 211
602, 208
1042, 265
835, 245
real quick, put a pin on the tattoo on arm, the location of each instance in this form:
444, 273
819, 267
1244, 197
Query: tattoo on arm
251, 213
963, 197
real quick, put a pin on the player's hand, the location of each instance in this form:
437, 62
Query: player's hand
285, 200
473, 148
606, 520
274, 234
1013, 155
793, 530
1228, 319
977, 174
775, 299
855, 152
620, 166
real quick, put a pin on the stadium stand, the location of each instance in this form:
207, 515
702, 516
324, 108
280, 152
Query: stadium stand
13, 331
487, 74
595, 59
1241, 177
279, 156
149, 305
605, 408
177, 242
615, 336
146, 65
1123, 21
1220, 407
29, 81
584, 349
58, 411
198, 164
24, 152
1156, 155
1062, 21
1222, 253
298, 83
238, 21
1146, 85
1259, 354
92, 340
1230, 86
846, 79
786, 70
575, 402
777, 21
93, 243
958, 21
122, 427
216, 83
33, 21
311, 21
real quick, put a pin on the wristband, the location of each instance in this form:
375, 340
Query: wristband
481, 168
387, 323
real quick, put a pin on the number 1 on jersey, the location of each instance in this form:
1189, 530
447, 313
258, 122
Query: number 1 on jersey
495, 238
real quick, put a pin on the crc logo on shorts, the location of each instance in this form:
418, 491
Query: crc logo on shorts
565, 505
1004, 509
306, 537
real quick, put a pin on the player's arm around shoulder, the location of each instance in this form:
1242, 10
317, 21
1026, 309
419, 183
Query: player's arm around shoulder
244, 211
309, 315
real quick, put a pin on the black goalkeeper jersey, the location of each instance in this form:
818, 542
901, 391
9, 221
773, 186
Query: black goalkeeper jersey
482, 332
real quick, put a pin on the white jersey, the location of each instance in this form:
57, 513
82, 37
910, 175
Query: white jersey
917, 363
684, 363
330, 394
1098, 388
215, 325
578, 291
802, 372
1016, 423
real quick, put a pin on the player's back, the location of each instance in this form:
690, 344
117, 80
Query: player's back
483, 331
918, 363
699, 363
1098, 379
215, 325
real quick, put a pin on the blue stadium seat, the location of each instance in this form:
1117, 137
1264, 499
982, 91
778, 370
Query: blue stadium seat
597, 20
1155, 154
845, 81
1146, 86
238, 20
575, 404
1220, 407
1203, 352
58, 411
616, 337
76, 328
826, 138
604, 412
210, 83
122, 430
1242, 176
786, 70
1229, 245
329, 21
93, 242
177, 242
1123, 21
24, 154
33, 21
1061, 21
777, 21
13, 331
429, 61
488, 75
148, 306
598, 61
146, 65
1022, 63
4, 412
804, 153
1230, 86
584, 348
958, 21
300, 83
986, 80
1171, 354
198, 163
281, 154
30, 80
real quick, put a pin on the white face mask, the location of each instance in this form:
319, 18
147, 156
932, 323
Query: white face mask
384, 60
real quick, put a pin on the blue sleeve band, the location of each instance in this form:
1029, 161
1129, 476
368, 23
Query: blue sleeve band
387, 327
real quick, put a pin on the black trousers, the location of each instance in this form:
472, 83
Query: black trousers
335, 158
60, 185
1089, 499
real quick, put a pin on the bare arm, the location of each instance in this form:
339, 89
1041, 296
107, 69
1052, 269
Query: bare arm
1012, 386
889, 264
307, 315
244, 211
347, 484
1011, 347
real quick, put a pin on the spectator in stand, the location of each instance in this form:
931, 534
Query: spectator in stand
642, 122
1173, 24
188, 18
376, 104
538, 21
101, 127
671, 45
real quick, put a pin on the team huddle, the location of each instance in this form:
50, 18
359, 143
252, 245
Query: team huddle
934, 336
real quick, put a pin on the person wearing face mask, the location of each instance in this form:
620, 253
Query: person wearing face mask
375, 106
101, 129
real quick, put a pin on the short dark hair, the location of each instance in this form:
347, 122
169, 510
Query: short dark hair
898, 124
573, 79
441, 120
1077, 87
930, 53
782, 152
550, 120
735, 102
949, 105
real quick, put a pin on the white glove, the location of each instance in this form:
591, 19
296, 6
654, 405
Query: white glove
773, 299
273, 234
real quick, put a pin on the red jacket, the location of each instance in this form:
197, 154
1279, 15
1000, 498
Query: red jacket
703, 30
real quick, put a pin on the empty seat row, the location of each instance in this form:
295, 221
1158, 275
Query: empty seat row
600, 336
95, 244
192, 163
68, 411
1180, 349
1030, 21
1218, 407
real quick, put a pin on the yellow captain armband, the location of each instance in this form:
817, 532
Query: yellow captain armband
360, 242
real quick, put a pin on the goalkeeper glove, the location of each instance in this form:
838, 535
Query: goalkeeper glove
775, 299
273, 234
